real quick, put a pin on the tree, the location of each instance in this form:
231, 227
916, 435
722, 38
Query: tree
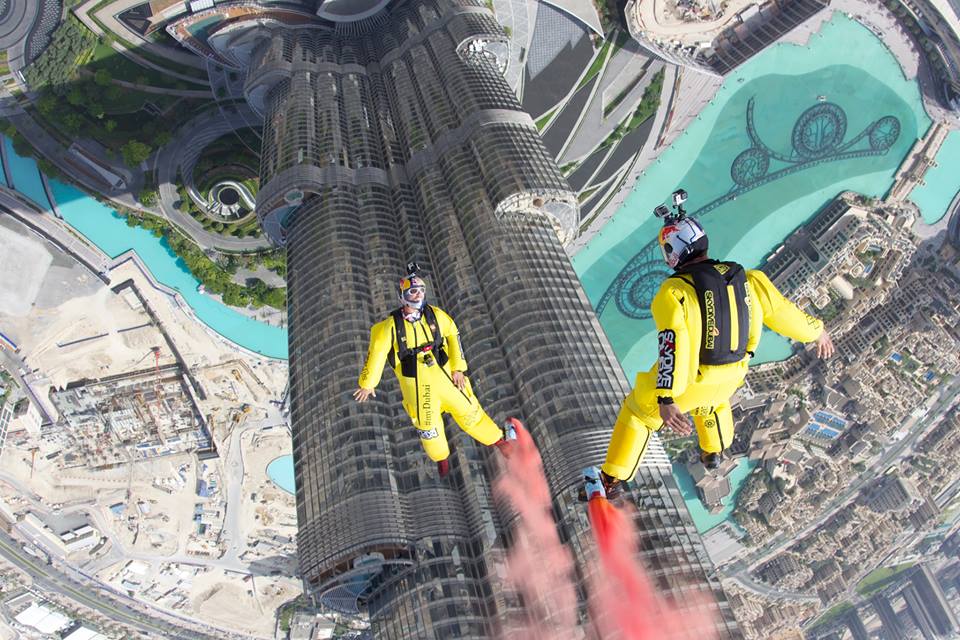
148, 197
135, 152
47, 104
76, 97
51, 170
110, 125
96, 110
163, 138
257, 287
235, 296
103, 78
276, 298
72, 122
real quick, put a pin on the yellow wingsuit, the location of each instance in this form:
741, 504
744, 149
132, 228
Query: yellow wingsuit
700, 389
430, 391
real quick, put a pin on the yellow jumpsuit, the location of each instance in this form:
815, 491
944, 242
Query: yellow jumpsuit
431, 392
704, 391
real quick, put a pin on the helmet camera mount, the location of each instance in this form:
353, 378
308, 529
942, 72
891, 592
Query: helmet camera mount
413, 269
679, 213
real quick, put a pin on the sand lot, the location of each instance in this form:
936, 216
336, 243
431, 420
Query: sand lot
24, 262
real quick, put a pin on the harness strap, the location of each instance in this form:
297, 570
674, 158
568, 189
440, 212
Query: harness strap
408, 355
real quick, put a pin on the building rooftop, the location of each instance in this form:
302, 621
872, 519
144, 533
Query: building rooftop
84, 633
350, 10
42, 619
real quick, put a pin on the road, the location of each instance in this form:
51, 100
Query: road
936, 406
234, 473
190, 139
16, 20
107, 16
748, 582
94, 596
188, 144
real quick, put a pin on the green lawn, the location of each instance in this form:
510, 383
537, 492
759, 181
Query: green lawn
832, 614
598, 61
877, 579
545, 119
122, 68
650, 102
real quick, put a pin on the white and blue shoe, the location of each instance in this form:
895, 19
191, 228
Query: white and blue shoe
592, 485
509, 439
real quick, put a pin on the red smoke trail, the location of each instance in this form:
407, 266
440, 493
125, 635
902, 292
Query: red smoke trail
622, 597
623, 602
539, 567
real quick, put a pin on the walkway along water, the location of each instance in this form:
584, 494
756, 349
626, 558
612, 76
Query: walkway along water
108, 231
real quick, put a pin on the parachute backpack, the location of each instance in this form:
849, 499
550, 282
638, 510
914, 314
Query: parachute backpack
721, 286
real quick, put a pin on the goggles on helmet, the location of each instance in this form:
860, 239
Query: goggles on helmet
414, 290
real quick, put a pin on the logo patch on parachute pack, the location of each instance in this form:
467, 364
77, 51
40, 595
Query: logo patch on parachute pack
428, 434
710, 309
667, 362
722, 268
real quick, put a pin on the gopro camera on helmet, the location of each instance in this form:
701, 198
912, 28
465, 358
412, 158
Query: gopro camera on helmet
662, 211
413, 269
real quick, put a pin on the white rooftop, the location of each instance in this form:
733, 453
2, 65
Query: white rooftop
83, 633
42, 619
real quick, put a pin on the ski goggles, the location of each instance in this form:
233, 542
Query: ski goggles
408, 287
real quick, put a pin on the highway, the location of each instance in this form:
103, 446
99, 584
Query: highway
93, 596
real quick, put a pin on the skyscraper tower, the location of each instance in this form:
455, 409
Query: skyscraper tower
391, 134
893, 628
928, 605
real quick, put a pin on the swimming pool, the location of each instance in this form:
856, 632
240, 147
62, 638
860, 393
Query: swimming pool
786, 132
109, 231
280, 471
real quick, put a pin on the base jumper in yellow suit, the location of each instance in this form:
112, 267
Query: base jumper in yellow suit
709, 318
429, 363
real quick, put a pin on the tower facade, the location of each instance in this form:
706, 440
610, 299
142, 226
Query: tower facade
395, 137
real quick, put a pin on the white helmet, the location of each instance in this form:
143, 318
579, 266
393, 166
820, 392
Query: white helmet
681, 239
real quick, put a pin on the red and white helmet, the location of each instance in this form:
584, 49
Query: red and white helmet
680, 240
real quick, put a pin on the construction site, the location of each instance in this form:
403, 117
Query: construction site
137, 444
128, 417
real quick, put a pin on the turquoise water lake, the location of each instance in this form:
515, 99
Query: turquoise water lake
942, 182
703, 519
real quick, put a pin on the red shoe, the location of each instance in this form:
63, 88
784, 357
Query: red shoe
509, 439
443, 467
